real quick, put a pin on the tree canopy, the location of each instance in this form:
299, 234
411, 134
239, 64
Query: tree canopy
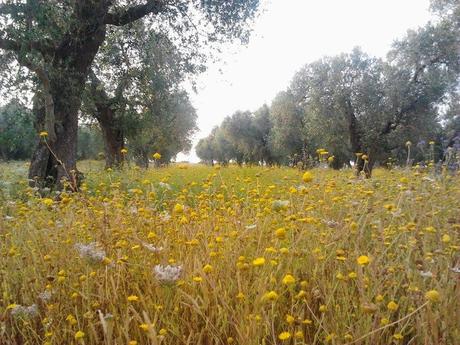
55, 44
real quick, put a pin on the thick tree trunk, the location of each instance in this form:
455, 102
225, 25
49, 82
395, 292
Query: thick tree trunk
113, 138
55, 158
113, 144
105, 114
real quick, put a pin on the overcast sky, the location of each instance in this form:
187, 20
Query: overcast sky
289, 34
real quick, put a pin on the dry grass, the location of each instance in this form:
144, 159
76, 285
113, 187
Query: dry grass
218, 224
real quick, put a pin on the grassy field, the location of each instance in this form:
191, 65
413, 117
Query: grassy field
201, 255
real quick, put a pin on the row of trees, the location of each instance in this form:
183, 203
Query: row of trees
354, 103
120, 62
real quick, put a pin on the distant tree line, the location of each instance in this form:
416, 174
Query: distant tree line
357, 104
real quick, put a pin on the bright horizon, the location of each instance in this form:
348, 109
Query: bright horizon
289, 34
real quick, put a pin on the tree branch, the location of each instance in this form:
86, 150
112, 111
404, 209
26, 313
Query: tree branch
398, 117
44, 47
100, 96
392, 124
422, 67
134, 13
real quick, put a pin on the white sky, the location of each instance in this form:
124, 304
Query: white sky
289, 34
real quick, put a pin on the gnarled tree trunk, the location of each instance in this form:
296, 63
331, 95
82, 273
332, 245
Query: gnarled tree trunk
113, 137
55, 158
105, 114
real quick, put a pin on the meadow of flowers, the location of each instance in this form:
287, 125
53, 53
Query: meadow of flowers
211, 255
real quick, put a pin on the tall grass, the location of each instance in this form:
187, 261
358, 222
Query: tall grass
265, 258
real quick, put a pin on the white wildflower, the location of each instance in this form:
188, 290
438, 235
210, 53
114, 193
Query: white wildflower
168, 273
164, 185
301, 188
165, 216
90, 251
45, 296
330, 223
279, 205
250, 227
426, 274
20, 311
152, 248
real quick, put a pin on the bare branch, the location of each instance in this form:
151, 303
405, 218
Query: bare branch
134, 13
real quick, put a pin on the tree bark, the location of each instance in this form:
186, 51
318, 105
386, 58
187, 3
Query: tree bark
113, 138
55, 159
105, 114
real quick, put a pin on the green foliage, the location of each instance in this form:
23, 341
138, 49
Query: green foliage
90, 145
242, 137
165, 127
147, 106
288, 135
17, 134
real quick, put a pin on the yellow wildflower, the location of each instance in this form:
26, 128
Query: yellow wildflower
363, 260
280, 233
258, 261
178, 208
432, 296
79, 335
307, 177
208, 269
271, 296
284, 336
288, 279
392, 306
